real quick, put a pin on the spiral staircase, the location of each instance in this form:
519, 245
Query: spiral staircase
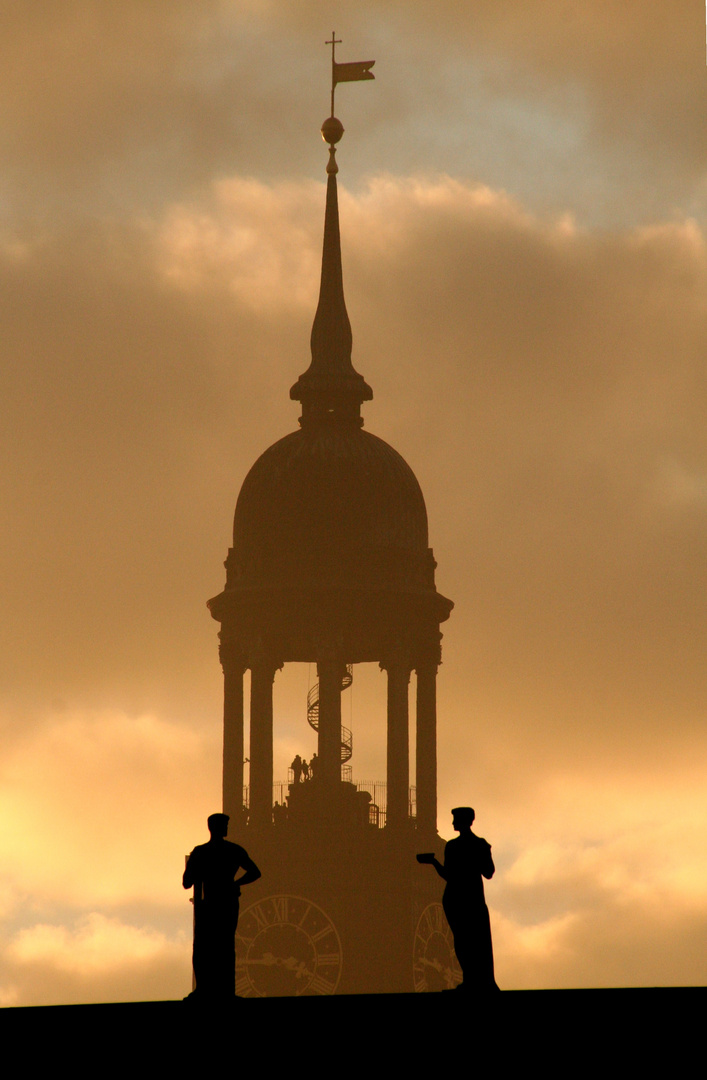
313, 714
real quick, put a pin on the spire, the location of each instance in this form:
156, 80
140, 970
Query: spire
331, 387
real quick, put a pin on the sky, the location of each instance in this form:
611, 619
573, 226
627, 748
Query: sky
523, 197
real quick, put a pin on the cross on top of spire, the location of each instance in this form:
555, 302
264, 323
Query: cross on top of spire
334, 42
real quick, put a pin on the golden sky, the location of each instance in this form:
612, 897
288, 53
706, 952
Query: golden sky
523, 195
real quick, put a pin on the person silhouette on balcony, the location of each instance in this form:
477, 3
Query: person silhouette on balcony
211, 869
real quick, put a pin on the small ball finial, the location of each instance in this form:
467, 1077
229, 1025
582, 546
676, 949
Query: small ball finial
332, 130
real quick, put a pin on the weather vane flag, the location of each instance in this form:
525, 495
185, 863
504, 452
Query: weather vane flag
354, 72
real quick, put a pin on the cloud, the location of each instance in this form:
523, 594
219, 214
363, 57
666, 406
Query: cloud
100, 809
605, 882
254, 239
96, 959
630, 74
97, 945
107, 108
610, 947
98, 813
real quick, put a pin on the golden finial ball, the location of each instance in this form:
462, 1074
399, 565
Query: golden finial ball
332, 130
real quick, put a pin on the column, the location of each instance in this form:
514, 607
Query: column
426, 753
330, 673
262, 673
398, 763
234, 667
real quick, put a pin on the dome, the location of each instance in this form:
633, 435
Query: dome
331, 503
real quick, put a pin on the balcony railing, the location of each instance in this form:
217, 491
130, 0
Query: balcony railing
377, 789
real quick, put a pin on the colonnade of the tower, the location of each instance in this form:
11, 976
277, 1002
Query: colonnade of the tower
263, 667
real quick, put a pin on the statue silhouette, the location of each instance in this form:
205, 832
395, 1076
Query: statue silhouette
211, 869
466, 860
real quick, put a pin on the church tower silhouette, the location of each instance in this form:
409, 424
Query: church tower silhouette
330, 565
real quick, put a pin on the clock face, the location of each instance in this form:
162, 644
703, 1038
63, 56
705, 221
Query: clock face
434, 962
286, 946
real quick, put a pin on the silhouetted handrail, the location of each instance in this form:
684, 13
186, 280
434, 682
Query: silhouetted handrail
377, 789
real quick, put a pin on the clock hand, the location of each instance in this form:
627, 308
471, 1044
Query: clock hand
430, 963
298, 966
446, 972
289, 962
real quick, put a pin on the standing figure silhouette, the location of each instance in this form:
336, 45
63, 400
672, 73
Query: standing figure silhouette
211, 869
467, 859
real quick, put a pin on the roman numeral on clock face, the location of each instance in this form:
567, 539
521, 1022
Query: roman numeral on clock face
322, 933
328, 958
320, 985
280, 906
258, 914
